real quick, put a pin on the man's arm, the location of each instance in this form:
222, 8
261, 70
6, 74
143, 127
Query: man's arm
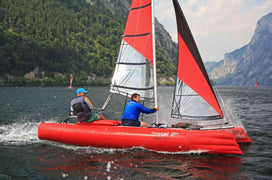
88, 102
146, 110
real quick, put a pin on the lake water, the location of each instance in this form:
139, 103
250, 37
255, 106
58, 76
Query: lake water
24, 156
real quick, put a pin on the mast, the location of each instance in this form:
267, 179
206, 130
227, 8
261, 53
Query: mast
154, 60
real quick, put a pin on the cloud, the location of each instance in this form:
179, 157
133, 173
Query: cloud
219, 26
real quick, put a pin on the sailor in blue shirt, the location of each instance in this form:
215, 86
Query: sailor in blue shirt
132, 112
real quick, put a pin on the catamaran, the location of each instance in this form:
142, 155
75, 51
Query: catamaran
197, 123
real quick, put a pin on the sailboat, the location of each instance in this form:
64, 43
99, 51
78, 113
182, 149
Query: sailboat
197, 123
71, 82
256, 85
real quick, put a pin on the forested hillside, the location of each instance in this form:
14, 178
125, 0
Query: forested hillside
57, 38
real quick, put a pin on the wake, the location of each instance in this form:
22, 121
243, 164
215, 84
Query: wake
19, 133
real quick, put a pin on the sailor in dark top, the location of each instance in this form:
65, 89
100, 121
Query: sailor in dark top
82, 107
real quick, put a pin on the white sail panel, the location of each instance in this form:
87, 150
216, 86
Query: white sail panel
187, 104
133, 74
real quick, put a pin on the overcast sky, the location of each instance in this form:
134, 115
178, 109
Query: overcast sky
218, 26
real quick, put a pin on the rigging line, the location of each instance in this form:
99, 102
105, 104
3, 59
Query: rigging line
179, 90
176, 111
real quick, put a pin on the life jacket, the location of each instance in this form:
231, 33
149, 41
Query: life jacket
81, 109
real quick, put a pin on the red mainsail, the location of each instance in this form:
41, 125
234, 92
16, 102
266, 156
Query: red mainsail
191, 69
138, 31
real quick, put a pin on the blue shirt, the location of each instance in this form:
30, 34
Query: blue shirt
133, 109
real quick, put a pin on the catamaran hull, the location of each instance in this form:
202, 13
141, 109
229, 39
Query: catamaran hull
239, 133
155, 139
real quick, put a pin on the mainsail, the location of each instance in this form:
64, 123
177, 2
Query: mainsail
133, 71
194, 96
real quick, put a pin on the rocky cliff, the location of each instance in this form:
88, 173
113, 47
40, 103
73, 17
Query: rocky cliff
251, 63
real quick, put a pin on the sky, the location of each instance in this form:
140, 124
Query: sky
218, 26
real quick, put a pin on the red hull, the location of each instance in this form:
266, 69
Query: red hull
105, 134
239, 133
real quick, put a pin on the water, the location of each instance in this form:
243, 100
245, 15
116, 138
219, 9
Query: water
24, 156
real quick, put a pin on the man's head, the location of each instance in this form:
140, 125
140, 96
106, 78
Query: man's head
135, 97
81, 92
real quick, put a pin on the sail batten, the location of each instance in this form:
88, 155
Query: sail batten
138, 30
134, 8
137, 35
134, 88
128, 63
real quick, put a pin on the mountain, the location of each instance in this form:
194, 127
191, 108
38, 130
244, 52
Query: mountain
44, 42
250, 63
